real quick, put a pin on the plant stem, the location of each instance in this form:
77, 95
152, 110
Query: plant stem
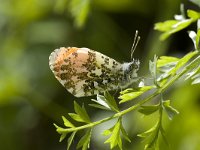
158, 91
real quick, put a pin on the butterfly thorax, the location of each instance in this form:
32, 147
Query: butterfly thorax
129, 72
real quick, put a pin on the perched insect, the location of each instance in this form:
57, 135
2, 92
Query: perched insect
84, 72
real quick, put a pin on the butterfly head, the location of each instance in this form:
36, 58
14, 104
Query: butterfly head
130, 69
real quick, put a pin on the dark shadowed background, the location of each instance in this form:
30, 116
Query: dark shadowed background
31, 99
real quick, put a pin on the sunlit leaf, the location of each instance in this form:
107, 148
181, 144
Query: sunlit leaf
153, 66
135, 93
85, 140
81, 112
165, 26
166, 60
169, 109
105, 102
115, 139
196, 79
76, 117
111, 101
59, 129
163, 79
198, 38
108, 131
63, 135
165, 66
193, 14
70, 140
124, 133
175, 28
101, 100
147, 110
193, 37
182, 62
99, 106
153, 138
172, 26
67, 123
162, 131
128, 90
192, 73
120, 143
148, 132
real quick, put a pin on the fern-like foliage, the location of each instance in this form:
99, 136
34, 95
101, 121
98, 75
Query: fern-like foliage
164, 71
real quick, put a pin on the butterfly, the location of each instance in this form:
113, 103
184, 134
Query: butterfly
85, 72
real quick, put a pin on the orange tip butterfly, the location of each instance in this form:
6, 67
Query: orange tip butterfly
85, 72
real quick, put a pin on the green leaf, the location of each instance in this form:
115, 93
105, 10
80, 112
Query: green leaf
76, 117
85, 140
191, 74
111, 102
120, 143
152, 135
134, 93
174, 68
108, 131
165, 26
164, 66
152, 144
124, 133
163, 79
176, 27
182, 62
193, 37
98, 106
196, 79
169, 109
70, 140
153, 66
67, 123
106, 102
115, 139
59, 129
147, 110
130, 96
166, 60
63, 135
129, 90
172, 26
197, 39
79, 10
101, 100
81, 112
193, 14
162, 131
149, 132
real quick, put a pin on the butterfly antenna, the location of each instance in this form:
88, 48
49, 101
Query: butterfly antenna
135, 43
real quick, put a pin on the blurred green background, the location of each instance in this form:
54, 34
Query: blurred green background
31, 99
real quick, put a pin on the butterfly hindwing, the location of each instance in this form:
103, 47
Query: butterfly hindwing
84, 72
